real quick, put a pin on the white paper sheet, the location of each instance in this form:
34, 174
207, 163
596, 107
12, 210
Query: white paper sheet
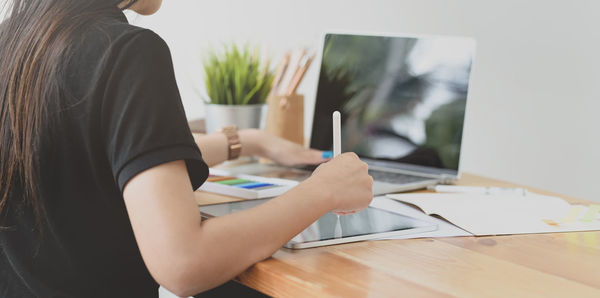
505, 214
445, 229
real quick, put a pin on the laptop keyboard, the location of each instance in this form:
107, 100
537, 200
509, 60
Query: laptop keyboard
382, 176
395, 178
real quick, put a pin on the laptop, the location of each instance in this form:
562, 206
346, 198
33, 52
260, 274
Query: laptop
403, 101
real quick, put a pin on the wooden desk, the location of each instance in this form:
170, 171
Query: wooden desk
542, 265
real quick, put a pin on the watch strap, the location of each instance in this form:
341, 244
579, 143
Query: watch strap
233, 142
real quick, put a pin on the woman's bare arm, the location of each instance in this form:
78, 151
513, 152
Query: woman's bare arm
255, 142
214, 147
187, 255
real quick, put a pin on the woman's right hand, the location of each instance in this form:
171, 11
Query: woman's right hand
346, 182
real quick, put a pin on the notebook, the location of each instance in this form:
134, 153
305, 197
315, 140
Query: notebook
482, 215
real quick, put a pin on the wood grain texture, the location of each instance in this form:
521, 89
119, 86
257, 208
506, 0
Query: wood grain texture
540, 265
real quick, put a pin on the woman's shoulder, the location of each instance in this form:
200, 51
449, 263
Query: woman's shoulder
106, 35
97, 50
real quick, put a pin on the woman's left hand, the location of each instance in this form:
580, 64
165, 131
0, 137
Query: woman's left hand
285, 152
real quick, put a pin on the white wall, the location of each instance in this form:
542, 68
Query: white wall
535, 98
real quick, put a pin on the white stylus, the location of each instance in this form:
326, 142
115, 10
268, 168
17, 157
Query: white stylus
337, 133
337, 150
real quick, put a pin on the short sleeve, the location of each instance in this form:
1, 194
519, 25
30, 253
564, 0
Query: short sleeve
142, 118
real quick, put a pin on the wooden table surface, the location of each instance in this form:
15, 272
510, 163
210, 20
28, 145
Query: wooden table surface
541, 265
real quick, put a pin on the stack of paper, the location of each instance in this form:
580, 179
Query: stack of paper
505, 214
444, 229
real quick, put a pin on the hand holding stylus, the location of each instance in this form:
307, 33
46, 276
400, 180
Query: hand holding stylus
345, 178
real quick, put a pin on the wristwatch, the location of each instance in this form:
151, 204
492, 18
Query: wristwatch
233, 142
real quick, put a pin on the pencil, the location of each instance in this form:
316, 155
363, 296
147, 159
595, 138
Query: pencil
288, 75
299, 75
281, 69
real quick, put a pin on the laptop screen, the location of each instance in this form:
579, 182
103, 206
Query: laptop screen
402, 99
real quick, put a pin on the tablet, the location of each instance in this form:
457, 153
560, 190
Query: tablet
370, 223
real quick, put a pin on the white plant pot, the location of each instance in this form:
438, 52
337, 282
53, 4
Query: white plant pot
246, 116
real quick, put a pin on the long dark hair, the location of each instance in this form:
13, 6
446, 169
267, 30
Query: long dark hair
34, 42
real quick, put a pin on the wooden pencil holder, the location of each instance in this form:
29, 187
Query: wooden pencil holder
285, 117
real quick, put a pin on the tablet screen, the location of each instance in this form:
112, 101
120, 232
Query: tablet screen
366, 222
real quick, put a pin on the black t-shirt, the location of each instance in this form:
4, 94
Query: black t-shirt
121, 114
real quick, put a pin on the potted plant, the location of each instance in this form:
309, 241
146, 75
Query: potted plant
237, 84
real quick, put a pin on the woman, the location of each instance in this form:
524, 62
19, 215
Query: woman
98, 165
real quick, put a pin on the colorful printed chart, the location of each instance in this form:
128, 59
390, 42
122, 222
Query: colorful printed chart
245, 186
241, 183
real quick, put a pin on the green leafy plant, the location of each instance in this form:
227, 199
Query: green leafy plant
236, 77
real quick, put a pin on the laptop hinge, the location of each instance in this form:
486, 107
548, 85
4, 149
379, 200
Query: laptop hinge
447, 179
